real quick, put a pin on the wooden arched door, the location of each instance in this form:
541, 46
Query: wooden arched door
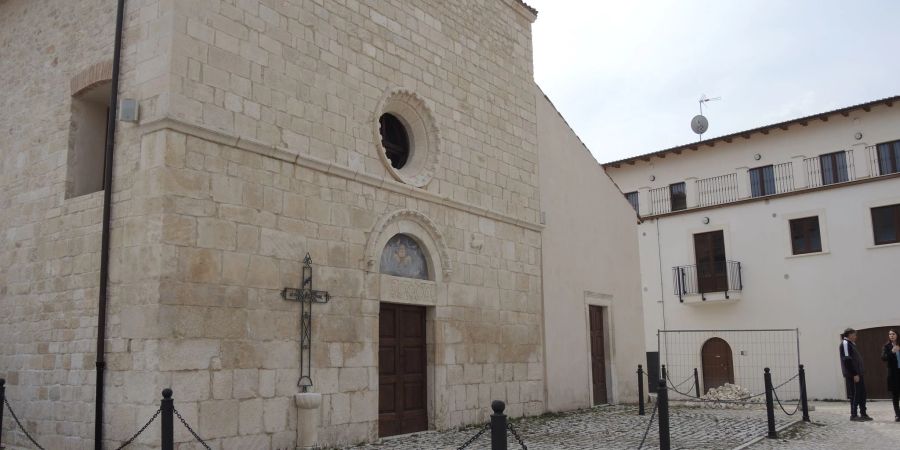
718, 366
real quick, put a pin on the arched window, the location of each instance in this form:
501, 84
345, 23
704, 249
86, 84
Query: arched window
403, 257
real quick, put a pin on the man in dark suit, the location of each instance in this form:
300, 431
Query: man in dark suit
853, 370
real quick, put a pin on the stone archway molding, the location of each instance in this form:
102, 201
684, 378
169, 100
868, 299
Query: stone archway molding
92, 76
413, 223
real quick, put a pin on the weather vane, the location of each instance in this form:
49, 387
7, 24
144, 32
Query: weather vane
699, 123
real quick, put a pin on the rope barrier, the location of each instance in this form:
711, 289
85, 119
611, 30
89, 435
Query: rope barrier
649, 424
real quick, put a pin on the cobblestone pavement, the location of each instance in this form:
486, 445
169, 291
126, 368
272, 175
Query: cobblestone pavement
611, 427
831, 429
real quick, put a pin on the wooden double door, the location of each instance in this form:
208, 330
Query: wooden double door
402, 398
712, 268
869, 343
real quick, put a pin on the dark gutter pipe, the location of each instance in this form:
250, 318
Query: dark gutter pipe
107, 209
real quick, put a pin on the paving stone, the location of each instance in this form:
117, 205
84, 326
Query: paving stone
608, 427
831, 428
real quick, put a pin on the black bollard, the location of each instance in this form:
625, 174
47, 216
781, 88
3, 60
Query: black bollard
803, 400
167, 409
696, 384
770, 407
662, 404
498, 426
640, 373
2, 405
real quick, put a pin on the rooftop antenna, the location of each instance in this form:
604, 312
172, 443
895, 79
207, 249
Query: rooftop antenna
699, 123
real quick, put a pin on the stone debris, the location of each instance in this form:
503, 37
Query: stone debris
730, 393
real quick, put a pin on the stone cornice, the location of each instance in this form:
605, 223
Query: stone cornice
523, 9
329, 167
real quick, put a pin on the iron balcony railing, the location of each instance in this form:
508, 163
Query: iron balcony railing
717, 190
821, 170
705, 278
660, 200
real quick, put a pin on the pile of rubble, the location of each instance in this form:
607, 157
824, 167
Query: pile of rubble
729, 392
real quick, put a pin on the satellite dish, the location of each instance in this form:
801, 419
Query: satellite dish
699, 124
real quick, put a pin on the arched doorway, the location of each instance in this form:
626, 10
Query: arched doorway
402, 360
718, 366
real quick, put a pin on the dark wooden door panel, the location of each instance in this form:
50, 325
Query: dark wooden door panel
718, 365
709, 254
598, 354
402, 367
869, 343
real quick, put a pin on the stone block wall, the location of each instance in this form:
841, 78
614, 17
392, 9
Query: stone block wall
50, 244
235, 228
308, 77
257, 145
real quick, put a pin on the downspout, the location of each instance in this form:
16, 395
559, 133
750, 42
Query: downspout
104, 240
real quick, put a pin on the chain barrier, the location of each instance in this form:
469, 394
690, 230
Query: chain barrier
675, 388
742, 400
649, 424
474, 438
191, 430
130, 440
516, 436
689, 378
775, 392
16, 418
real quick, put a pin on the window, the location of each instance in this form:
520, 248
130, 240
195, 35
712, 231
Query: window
632, 198
805, 235
834, 167
394, 139
407, 137
87, 140
677, 196
886, 224
762, 181
889, 157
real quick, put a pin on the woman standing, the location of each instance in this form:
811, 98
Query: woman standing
891, 356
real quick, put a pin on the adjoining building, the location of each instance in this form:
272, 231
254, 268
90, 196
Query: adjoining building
794, 225
458, 254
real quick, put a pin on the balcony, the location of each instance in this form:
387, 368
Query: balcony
707, 278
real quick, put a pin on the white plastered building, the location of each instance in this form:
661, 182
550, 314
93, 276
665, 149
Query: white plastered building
794, 225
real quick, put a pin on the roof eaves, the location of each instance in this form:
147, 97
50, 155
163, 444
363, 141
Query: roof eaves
823, 116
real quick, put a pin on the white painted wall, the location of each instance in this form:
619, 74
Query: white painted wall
851, 283
590, 257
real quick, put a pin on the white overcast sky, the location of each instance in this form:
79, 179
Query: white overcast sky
627, 74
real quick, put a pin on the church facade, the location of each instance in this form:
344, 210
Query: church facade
400, 145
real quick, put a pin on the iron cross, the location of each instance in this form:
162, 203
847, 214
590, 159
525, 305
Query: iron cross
306, 295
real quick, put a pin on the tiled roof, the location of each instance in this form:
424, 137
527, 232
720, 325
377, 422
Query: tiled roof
889, 101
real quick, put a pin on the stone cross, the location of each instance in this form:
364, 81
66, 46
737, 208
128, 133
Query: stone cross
306, 295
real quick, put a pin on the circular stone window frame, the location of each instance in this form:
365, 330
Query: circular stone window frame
415, 113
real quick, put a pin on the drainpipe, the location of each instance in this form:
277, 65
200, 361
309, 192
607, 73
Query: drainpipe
104, 241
